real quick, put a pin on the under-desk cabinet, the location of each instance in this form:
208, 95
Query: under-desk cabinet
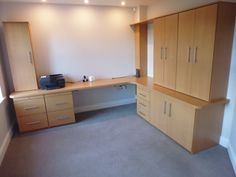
194, 128
40, 112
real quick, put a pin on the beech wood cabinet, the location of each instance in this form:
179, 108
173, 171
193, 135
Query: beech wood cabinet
20, 55
165, 47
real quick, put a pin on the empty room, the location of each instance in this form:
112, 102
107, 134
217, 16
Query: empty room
117, 88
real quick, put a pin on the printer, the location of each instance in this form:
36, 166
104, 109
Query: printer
53, 81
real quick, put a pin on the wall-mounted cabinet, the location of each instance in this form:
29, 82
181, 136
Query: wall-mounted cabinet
20, 55
165, 47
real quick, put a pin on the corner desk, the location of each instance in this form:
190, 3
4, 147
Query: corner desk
193, 123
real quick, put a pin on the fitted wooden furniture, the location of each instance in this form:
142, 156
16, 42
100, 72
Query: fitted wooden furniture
20, 55
140, 36
165, 47
192, 123
31, 113
60, 108
205, 37
204, 49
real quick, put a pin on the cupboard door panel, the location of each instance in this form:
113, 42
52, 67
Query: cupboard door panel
185, 43
20, 54
180, 122
159, 38
205, 27
158, 111
171, 29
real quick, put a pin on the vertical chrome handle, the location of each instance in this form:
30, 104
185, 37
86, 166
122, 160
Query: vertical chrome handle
166, 53
195, 55
189, 54
170, 110
30, 57
161, 53
33, 123
165, 107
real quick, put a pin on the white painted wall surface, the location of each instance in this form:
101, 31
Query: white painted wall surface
78, 40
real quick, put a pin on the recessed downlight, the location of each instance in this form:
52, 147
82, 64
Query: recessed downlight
44, 0
123, 3
86, 1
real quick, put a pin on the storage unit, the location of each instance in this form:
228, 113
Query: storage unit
165, 50
31, 113
60, 109
143, 102
204, 50
20, 55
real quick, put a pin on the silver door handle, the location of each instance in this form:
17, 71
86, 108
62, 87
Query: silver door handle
170, 110
30, 108
189, 54
60, 104
33, 123
166, 53
30, 57
165, 107
62, 117
195, 54
161, 53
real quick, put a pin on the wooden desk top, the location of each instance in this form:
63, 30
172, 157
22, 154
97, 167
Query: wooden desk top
145, 81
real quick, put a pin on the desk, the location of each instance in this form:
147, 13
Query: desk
193, 123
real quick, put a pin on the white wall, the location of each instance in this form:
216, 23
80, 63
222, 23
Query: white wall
5, 115
150, 50
80, 40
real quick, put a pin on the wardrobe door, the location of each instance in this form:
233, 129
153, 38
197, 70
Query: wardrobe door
20, 54
159, 49
171, 33
205, 28
185, 50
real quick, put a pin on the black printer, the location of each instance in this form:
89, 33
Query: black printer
53, 81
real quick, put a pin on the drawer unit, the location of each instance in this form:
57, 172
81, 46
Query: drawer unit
33, 122
57, 102
143, 112
29, 106
61, 117
143, 93
142, 104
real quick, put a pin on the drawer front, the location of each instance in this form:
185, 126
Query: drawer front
33, 122
143, 94
57, 102
143, 104
30, 106
61, 117
143, 112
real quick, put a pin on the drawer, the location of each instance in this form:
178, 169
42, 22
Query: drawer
57, 102
29, 106
61, 117
143, 104
143, 94
32, 122
143, 112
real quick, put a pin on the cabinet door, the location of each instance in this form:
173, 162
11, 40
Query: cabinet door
171, 29
20, 55
159, 42
158, 111
180, 122
205, 27
137, 46
185, 49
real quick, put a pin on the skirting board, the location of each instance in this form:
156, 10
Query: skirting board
232, 156
104, 105
224, 142
5, 144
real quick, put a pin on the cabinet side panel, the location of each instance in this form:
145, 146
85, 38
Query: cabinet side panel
207, 127
222, 50
143, 49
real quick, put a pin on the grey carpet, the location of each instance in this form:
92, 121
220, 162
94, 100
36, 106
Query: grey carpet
113, 142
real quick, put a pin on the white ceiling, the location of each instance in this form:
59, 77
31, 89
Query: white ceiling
129, 3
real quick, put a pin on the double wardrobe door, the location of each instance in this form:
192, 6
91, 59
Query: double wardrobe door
195, 51
165, 47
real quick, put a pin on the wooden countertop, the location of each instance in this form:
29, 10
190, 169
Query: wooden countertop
145, 81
